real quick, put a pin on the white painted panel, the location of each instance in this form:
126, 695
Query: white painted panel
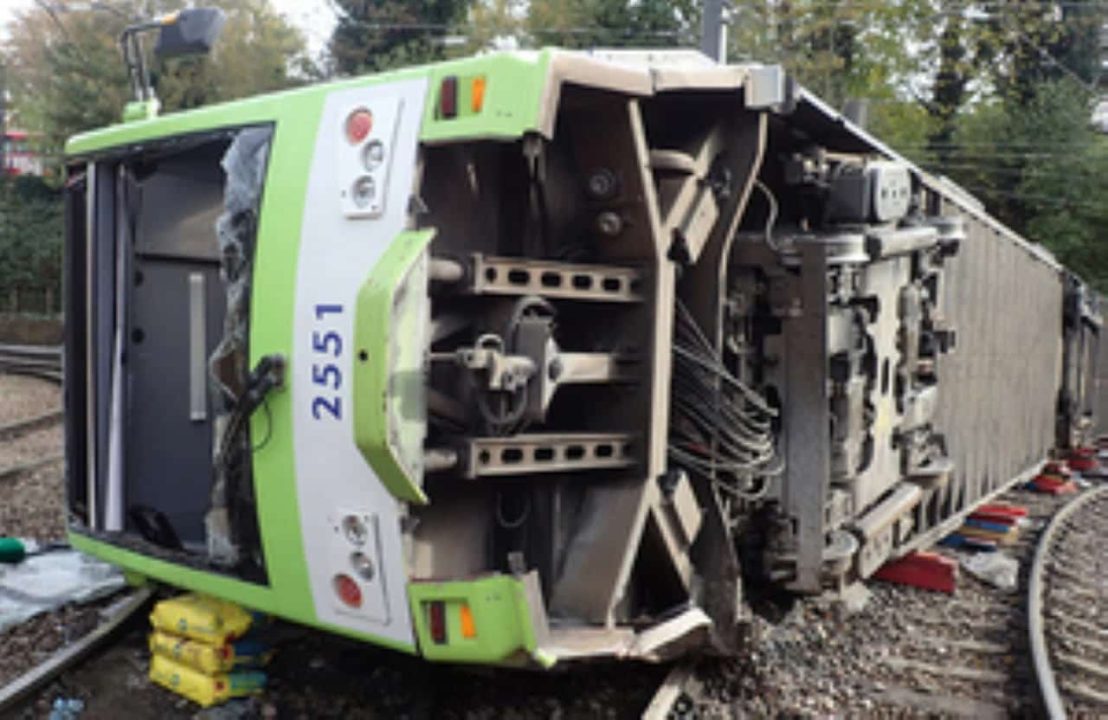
338, 250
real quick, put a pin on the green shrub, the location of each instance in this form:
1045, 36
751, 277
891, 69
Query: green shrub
31, 230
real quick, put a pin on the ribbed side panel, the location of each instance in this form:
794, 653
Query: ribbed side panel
999, 386
1100, 389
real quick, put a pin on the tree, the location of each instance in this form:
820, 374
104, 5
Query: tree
66, 74
30, 234
611, 23
376, 35
839, 49
254, 55
496, 23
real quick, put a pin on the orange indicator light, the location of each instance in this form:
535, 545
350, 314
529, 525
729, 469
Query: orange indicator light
469, 627
477, 93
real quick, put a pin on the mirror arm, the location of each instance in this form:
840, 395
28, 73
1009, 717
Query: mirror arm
130, 42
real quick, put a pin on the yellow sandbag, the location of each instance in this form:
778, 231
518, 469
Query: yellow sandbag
205, 690
201, 617
210, 659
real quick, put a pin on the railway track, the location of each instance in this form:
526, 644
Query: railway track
929, 655
908, 653
961, 656
968, 655
1067, 615
40, 362
112, 620
35, 360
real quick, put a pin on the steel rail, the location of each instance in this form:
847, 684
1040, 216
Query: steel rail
43, 362
35, 678
1040, 656
675, 684
17, 471
19, 428
31, 350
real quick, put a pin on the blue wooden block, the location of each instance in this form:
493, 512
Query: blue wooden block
986, 525
957, 540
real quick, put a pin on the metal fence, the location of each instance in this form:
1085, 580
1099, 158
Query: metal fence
24, 300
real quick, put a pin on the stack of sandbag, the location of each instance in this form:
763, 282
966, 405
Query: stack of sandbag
203, 649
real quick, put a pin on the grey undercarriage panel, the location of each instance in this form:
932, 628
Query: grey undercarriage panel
852, 353
1000, 386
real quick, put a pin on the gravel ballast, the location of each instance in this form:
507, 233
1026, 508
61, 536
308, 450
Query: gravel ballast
905, 653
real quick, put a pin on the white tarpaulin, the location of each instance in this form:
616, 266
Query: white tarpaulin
44, 582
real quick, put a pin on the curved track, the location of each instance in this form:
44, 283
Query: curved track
19, 428
113, 619
35, 360
1067, 618
40, 362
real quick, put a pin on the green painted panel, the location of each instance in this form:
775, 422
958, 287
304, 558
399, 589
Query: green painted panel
261, 108
271, 320
514, 88
254, 597
278, 240
141, 110
504, 633
513, 93
514, 85
389, 415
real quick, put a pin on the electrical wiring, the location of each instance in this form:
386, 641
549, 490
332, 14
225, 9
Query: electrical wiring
771, 220
721, 429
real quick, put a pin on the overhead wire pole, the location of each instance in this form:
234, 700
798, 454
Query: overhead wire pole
3, 119
711, 31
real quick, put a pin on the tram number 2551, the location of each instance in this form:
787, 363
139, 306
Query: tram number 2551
327, 348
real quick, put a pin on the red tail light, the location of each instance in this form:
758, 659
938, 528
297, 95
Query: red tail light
358, 126
448, 97
348, 591
437, 617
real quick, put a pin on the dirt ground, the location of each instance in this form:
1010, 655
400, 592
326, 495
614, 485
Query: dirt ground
30, 329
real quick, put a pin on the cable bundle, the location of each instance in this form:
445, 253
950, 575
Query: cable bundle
721, 428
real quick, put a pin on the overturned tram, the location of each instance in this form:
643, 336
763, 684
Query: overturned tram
541, 356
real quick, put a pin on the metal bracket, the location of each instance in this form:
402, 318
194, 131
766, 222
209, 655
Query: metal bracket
546, 453
523, 276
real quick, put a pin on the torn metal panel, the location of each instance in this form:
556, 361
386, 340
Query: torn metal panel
236, 230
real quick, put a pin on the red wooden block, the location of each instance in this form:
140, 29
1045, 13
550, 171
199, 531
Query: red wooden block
926, 570
1083, 464
1047, 481
994, 517
1055, 467
1052, 486
1016, 511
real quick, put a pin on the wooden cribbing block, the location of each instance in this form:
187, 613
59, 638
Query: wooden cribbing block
926, 570
1016, 511
997, 518
1004, 538
981, 524
962, 542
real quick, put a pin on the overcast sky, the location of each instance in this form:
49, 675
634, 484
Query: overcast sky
314, 18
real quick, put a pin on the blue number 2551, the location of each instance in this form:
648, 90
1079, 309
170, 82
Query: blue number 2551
326, 376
